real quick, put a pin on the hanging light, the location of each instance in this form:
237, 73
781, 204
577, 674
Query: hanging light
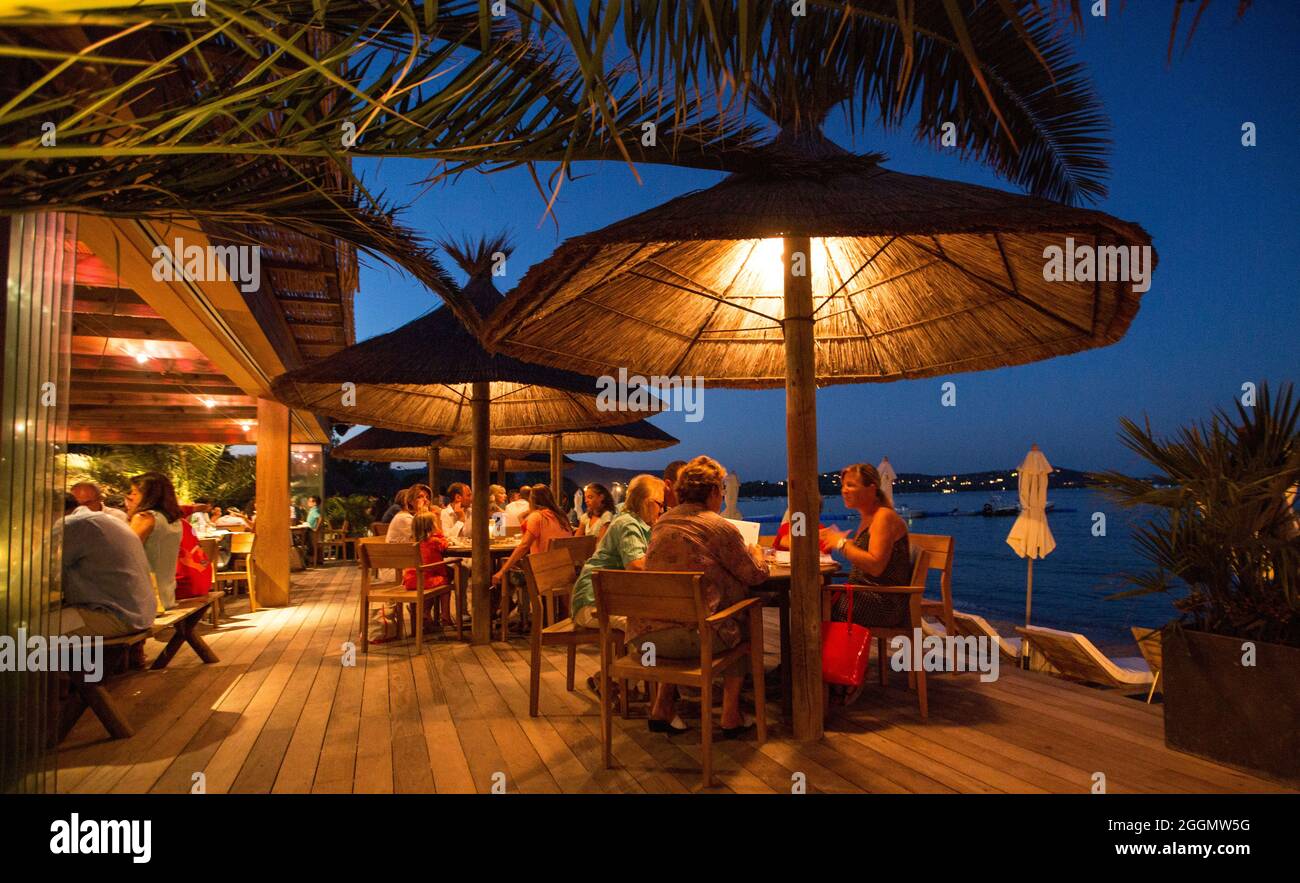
209, 403
141, 357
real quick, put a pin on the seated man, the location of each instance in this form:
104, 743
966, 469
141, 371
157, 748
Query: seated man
88, 498
106, 577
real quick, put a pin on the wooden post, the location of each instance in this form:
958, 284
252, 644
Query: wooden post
557, 469
271, 557
801, 475
480, 598
433, 471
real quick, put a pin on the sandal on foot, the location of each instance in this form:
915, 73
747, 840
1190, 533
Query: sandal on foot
672, 727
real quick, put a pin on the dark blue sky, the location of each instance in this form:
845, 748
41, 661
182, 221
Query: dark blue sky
1223, 309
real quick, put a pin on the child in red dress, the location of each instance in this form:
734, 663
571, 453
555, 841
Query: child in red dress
427, 531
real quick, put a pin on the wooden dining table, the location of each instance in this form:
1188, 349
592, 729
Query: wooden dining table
775, 592
499, 550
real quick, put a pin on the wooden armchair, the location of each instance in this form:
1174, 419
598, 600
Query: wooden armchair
328, 539
674, 597
376, 554
241, 544
883, 635
940, 549
579, 548
547, 574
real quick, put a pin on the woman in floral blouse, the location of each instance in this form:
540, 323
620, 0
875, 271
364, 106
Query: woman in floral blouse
693, 536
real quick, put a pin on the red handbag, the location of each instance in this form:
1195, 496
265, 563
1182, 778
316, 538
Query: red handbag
846, 647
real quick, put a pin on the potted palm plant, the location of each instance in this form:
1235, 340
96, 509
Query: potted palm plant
1225, 537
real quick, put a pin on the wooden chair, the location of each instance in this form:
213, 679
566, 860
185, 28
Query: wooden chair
546, 574
1076, 658
940, 549
883, 635
579, 548
330, 540
212, 549
674, 597
241, 544
379, 528
377, 554
1150, 644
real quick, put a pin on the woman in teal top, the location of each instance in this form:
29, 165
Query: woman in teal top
621, 548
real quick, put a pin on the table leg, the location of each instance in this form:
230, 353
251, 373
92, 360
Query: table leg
787, 679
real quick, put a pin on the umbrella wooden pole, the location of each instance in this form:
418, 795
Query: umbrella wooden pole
481, 556
801, 460
433, 471
557, 468
1029, 602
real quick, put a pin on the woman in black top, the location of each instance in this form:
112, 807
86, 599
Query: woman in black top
879, 553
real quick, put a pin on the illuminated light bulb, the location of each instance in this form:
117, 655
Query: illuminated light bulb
246, 426
141, 358
209, 403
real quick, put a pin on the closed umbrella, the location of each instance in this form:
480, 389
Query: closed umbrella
1030, 536
887, 478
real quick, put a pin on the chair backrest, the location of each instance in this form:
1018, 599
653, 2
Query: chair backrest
242, 543
376, 553
940, 557
379, 528
650, 594
1150, 644
545, 572
579, 548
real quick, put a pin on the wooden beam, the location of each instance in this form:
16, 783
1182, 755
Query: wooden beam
81, 394
128, 327
139, 381
801, 473
271, 554
158, 367
481, 631
160, 435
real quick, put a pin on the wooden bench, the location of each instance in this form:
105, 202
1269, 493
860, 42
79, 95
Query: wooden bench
183, 619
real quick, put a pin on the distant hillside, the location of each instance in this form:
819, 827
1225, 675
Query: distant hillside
918, 482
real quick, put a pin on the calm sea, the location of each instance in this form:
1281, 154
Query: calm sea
1070, 585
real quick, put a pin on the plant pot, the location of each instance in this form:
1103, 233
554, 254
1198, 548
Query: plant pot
1219, 709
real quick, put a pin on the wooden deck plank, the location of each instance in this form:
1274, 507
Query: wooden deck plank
279, 713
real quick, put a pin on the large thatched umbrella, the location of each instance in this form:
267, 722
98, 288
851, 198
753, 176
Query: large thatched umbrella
378, 445
811, 267
433, 376
631, 437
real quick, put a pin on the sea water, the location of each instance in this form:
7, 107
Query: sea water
1071, 584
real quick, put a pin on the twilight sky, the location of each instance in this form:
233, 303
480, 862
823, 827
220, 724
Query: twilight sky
1223, 307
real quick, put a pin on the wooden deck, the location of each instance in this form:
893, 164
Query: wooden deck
279, 713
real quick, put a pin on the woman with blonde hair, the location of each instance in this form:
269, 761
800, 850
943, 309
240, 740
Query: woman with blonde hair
623, 547
693, 536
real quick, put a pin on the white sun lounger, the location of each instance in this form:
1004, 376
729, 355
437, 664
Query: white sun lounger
1078, 659
970, 625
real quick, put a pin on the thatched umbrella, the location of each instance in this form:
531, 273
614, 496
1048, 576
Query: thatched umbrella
433, 376
631, 437
378, 445
815, 266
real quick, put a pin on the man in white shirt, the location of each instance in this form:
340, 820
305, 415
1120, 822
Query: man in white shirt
106, 576
455, 516
517, 510
88, 498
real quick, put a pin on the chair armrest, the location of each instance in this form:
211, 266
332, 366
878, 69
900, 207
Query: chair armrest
884, 590
454, 562
731, 611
